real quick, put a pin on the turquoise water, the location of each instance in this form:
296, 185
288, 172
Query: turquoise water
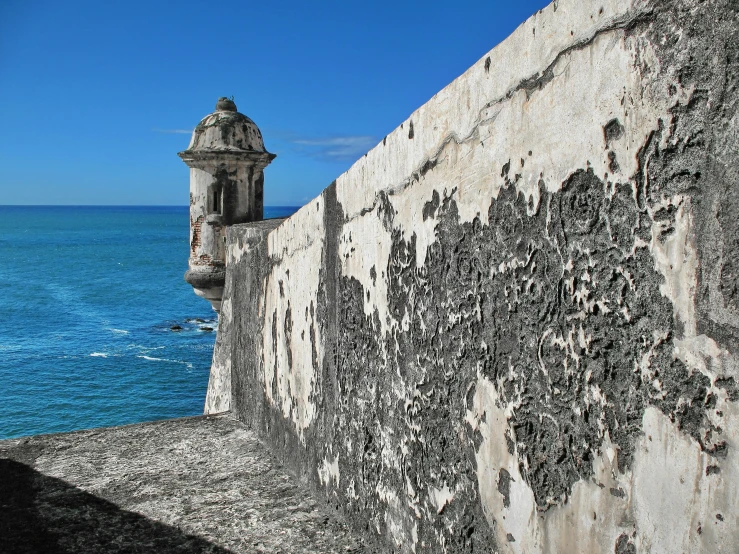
89, 296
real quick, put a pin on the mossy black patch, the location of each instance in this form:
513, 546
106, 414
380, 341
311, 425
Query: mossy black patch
556, 308
624, 545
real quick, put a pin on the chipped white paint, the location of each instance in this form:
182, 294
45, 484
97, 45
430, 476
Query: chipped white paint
235, 251
524, 132
440, 497
676, 259
702, 353
218, 396
328, 472
364, 246
290, 363
669, 504
677, 507
491, 458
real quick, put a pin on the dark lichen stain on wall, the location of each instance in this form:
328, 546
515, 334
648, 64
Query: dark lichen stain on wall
612, 131
703, 162
288, 333
558, 309
504, 486
624, 545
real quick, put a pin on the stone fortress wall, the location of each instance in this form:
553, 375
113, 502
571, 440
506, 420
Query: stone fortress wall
513, 325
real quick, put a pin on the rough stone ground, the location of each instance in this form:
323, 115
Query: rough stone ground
202, 484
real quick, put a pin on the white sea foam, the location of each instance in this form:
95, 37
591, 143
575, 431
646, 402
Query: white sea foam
99, 355
142, 348
152, 359
118, 331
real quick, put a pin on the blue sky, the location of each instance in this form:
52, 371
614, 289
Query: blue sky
97, 98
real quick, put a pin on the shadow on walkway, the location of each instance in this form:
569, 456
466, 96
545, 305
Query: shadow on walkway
40, 514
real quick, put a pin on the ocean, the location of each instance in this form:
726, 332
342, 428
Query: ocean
89, 299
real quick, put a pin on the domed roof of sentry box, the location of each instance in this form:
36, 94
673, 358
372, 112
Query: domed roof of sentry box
225, 130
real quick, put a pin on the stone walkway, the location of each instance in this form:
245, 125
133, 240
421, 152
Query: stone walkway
202, 484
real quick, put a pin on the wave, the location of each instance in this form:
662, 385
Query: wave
142, 348
152, 359
202, 321
118, 331
99, 355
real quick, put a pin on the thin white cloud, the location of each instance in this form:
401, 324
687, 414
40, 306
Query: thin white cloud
336, 148
174, 131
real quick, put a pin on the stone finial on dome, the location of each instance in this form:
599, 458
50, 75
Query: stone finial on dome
225, 104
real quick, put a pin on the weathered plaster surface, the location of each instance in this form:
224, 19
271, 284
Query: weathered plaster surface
195, 485
227, 130
512, 325
240, 243
292, 347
